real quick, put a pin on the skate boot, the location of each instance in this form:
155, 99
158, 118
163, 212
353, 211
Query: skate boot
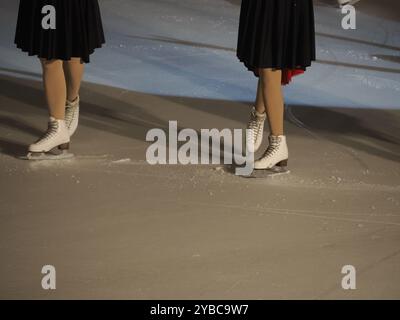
72, 116
276, 157
255, 131
56, 136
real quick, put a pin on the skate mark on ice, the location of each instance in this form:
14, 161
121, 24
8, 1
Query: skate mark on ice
69, 156
361, 271
289, 181
121, 161
290, 212
129, 161
233, 286
82, 161
92, 157
300, 124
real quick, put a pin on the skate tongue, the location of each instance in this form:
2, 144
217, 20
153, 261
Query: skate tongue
73, 103
260, 115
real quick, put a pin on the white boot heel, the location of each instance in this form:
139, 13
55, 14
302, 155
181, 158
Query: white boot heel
276, 156
283, 164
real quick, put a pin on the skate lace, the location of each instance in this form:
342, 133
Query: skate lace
272, 149
69, 115
51, 131
254, 125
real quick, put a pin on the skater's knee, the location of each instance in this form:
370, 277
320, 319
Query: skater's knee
73, 62
270, 76
76, 60
51, 64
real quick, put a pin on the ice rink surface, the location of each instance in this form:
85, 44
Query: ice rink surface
116, 227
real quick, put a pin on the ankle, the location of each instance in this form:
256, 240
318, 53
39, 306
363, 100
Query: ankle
54, 118
277, 134
260, 111
73, 100
260, 114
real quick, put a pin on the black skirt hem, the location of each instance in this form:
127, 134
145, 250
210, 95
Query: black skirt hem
59, 57
253, 69
275, 66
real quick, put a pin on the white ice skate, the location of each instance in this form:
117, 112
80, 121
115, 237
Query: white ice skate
275, 159
56, 137
72, 115
255, 131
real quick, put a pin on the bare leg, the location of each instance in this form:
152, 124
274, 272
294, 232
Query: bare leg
260, 104
73, 70
271, 83
55, 87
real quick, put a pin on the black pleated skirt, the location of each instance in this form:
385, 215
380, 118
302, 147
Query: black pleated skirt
78, 32
276, 34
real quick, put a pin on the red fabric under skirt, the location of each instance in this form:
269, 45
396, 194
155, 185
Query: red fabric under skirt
287, 75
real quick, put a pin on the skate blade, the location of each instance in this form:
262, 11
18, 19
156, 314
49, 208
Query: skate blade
32, 156
268, 173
